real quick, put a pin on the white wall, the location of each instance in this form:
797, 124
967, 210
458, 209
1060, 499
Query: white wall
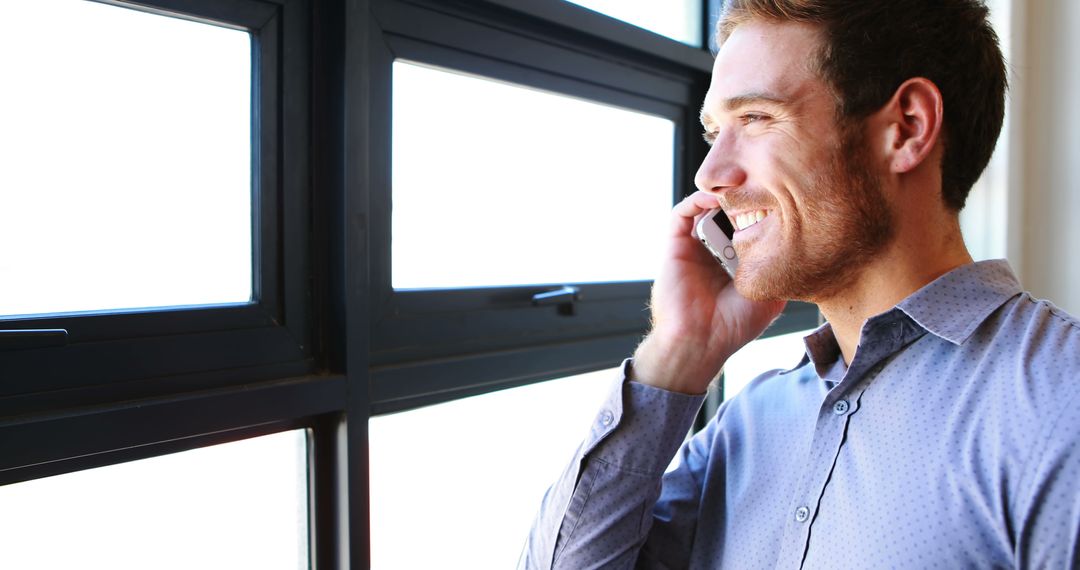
1026, 207
1050, 231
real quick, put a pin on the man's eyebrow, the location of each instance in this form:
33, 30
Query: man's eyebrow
740, 101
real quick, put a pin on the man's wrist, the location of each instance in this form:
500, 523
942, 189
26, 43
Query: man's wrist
673, 366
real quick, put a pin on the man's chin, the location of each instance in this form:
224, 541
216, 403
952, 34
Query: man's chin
752, 285
768, 281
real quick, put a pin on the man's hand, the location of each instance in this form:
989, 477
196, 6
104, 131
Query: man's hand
699, 319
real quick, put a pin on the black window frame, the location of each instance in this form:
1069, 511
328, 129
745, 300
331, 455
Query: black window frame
183, 346
429, 346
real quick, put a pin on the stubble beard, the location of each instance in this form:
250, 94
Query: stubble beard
845, 223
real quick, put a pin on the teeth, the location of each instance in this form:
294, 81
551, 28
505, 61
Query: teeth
743, 221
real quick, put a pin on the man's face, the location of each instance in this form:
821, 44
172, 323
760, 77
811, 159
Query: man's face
802, 193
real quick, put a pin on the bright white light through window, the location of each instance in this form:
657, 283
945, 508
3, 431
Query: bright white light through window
237, 505
465, 479
677, 19
496, 184
125, 160
775, 352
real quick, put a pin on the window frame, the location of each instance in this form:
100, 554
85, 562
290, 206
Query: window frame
429, 346
182, 346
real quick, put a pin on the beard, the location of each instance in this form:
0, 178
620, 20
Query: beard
845, 222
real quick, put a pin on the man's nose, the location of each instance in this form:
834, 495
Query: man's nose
720, 170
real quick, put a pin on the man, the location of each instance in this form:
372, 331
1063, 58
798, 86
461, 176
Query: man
935, 420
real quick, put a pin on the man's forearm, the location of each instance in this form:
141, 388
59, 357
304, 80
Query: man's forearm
599, 512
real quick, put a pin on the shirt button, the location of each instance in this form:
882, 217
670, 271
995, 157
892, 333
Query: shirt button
841, 407
801, 514
606, 418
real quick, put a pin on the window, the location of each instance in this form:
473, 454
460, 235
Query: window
150, 192
496, 184
470, 299
127, 177
681, 20
155, 208
469, 475
236, 505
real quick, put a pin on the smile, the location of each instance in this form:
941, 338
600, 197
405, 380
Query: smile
745, 220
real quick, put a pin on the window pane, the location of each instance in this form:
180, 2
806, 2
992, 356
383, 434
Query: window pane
775, 352
496, 184
466, 478
238, 505
677, 19
125, 160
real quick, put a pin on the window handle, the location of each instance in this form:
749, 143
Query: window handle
563, 297
32, 338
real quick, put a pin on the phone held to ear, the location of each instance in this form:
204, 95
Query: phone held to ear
714, 230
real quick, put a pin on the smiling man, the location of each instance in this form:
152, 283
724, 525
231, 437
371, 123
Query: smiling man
935, 419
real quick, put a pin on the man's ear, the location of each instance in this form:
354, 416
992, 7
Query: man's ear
912, 120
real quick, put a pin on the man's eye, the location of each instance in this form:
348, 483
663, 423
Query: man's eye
752, 118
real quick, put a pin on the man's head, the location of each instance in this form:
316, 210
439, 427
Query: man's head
839, 128
870, 47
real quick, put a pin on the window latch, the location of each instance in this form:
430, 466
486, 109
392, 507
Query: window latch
32, 338
563, 298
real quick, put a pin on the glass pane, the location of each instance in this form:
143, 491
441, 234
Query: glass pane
237, 505
496, 184
775, 352
677, 19
125, 160
465, 479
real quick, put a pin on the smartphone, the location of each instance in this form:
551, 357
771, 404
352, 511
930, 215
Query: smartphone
715, 231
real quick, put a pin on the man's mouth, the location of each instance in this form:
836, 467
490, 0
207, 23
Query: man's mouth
747, 219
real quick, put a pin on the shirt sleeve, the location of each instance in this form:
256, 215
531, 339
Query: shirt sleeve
599, 513
1048, 533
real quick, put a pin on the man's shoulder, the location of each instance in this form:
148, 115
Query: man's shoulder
1038, 330
1057, 316
1029, 358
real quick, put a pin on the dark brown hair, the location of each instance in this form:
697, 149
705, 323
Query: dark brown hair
873, 46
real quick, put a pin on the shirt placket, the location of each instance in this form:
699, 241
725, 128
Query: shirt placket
834, 416
832, 423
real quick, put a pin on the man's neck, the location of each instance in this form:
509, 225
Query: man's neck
893, 276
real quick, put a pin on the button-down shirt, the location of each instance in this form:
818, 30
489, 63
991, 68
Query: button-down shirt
952, 440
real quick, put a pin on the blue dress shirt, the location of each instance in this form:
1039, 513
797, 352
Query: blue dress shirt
951, 441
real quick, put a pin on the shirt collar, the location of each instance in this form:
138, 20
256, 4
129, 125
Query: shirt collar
955, 304
950, 307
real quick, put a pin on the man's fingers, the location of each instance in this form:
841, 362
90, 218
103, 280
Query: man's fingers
696, 203
686, 212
